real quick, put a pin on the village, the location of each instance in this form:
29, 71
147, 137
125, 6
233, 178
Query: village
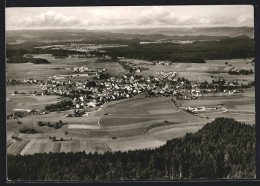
90, 95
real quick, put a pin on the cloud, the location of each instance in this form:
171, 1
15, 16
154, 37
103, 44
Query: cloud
217, 21
154, 16
50, 19
245, 18
204, 21
160, 16
115, 17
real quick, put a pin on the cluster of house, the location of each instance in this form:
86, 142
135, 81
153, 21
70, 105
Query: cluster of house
81, 55
20, 113
80, 72
166, 63
86, 69
24, 81
80, 45
85, 95
97, 94
168, 74
219, 108
127, 86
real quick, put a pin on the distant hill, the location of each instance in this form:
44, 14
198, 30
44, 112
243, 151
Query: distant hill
122, 36
207, 31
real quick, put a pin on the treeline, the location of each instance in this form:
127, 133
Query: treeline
28, 130
196, 52
20, 52
60, 106
56, 52
26, 60
223, 148
56, 125
219, 85
241, 72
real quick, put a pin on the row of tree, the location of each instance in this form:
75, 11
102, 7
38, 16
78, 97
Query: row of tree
27, 60
20, 52
60, 106
241, 72
223, 148
56, 125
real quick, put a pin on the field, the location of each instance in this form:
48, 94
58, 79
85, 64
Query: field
124, 125
240, 107
44, 71
17, 102
202, 71
134, 123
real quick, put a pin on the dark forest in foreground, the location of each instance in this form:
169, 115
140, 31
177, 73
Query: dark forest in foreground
223, 148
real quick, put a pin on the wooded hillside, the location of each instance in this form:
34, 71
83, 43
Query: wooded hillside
223, 148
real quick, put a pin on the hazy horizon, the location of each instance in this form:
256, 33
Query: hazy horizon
126, 17
100, 29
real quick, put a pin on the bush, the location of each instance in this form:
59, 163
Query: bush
40, 123
28, 131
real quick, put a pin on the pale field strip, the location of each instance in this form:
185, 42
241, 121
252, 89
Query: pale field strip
82, 134
243, 114
21, 110
171, 133
75, 146
133, 126
87, 146
90, 146
133, 144
40, 148
106, 149
82, 126
37, 147
162, 111
130, 114
20, 146
26, 148
246, 110
176, 127
9, 143
65, 147
100, 148
56, 147
33, 148
16, 147
48, 147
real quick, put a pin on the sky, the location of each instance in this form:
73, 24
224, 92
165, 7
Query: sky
129, 17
